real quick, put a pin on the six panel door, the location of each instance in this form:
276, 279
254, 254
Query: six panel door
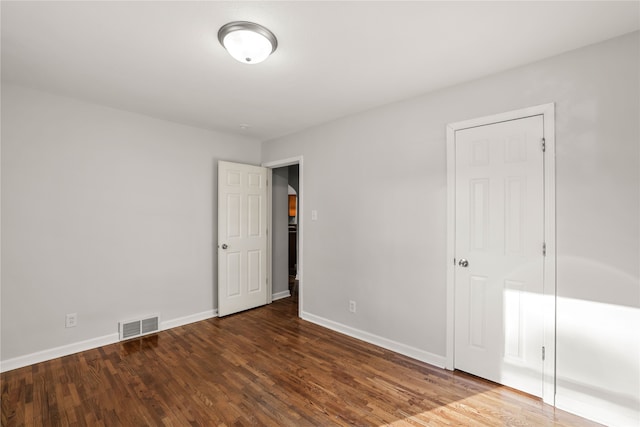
242, 237
499, 228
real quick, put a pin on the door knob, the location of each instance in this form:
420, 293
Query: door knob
224, 246
463, 263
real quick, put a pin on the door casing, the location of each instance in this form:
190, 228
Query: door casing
549, 287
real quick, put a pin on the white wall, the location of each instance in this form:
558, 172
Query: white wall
382, 242
110, 214
107, 214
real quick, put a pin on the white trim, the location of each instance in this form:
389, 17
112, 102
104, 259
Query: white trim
269, 235
406, 350
282, 163
281, 295
54, 353
598, 410
300, 272
503, 117
185, 320
90, 344
549, 289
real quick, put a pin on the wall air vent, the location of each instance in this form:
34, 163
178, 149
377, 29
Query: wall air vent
139, 327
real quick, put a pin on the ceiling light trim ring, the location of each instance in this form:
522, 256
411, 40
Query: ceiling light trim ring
247, 26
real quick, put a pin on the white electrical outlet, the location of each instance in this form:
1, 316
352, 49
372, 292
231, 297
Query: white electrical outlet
71, 320
352, 306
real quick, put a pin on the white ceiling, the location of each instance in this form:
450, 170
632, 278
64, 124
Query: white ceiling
333, 58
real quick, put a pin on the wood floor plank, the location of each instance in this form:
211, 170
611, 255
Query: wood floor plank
262, 367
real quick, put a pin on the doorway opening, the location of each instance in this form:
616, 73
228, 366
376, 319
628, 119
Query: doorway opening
286, 225
293, 229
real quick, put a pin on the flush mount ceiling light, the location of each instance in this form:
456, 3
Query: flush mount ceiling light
247, 42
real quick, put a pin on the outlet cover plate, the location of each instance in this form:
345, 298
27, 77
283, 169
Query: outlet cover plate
71, 320
352, 306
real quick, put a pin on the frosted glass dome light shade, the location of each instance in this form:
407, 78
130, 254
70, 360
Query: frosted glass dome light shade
247, 42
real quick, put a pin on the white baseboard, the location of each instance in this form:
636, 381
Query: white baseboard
599, 410
192, 318
406, 350
66, 350
280, 295
42, 356
53, 353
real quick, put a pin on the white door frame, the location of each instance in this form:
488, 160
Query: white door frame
549, 286
300, 268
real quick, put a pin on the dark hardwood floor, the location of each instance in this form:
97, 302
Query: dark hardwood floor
260, 367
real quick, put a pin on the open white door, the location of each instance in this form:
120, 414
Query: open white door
499, 252
242, 237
